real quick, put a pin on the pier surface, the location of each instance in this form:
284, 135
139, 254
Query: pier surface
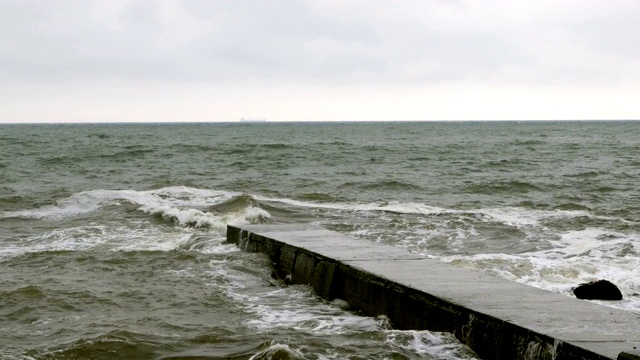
497, 318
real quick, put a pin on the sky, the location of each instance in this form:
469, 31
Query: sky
308, 60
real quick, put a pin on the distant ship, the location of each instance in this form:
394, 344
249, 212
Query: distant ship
252, 120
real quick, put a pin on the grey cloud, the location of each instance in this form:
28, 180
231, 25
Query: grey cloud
617, 36
61, 41
210, 41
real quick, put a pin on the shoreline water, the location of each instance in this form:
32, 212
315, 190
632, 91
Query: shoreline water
98, 222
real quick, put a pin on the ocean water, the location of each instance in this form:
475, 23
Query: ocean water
112, 235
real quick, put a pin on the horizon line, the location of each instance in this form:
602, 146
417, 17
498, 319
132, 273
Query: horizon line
245, 122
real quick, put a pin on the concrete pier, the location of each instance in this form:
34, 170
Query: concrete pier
498, 319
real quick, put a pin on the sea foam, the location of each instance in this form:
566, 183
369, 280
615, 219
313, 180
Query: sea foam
182, 205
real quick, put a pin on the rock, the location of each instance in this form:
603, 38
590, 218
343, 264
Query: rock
598, 290
634, 355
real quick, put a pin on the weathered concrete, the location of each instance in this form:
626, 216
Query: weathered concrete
498, 319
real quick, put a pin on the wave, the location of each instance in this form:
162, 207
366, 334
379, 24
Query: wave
274, 350
420, 158
528, 142
316, 196
296, 308
414, 226
100, 136
508, 187
126, 238
188, 206
381, 185
56, 160
118, 343
573, 206
233, 204
18, 295
188, 148
585, 174
507, 163
15, 199
239, 150
437, 345
182, 205
276, 146
134, 153
131, 152
396, 207
508, 215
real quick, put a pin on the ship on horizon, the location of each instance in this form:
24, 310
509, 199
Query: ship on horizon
253, 120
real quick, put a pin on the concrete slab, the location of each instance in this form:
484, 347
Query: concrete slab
328, 243
497, 318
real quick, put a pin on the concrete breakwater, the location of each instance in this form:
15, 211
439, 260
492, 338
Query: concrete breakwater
498, 319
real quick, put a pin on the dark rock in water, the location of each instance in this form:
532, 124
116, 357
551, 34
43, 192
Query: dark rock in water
598, 290
634, 355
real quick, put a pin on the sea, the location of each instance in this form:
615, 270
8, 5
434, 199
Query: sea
112, 236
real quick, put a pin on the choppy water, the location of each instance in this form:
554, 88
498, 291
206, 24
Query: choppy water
112, 236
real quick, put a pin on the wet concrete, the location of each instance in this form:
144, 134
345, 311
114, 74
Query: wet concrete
498, 319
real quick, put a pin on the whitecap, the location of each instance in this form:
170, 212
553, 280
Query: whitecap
277, 351
182, 205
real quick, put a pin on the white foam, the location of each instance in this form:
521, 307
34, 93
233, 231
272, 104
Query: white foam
278, 350
513, 216
293, 307
76, 204
577, 256
90, 201
70, 239
135, 236
520, 217
392, 206
439, 345
180, 204
298, 308
145, 238
589, 241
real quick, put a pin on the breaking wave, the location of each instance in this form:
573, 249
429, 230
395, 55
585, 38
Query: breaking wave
184, 206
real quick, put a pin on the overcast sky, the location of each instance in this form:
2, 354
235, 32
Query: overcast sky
207, 60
